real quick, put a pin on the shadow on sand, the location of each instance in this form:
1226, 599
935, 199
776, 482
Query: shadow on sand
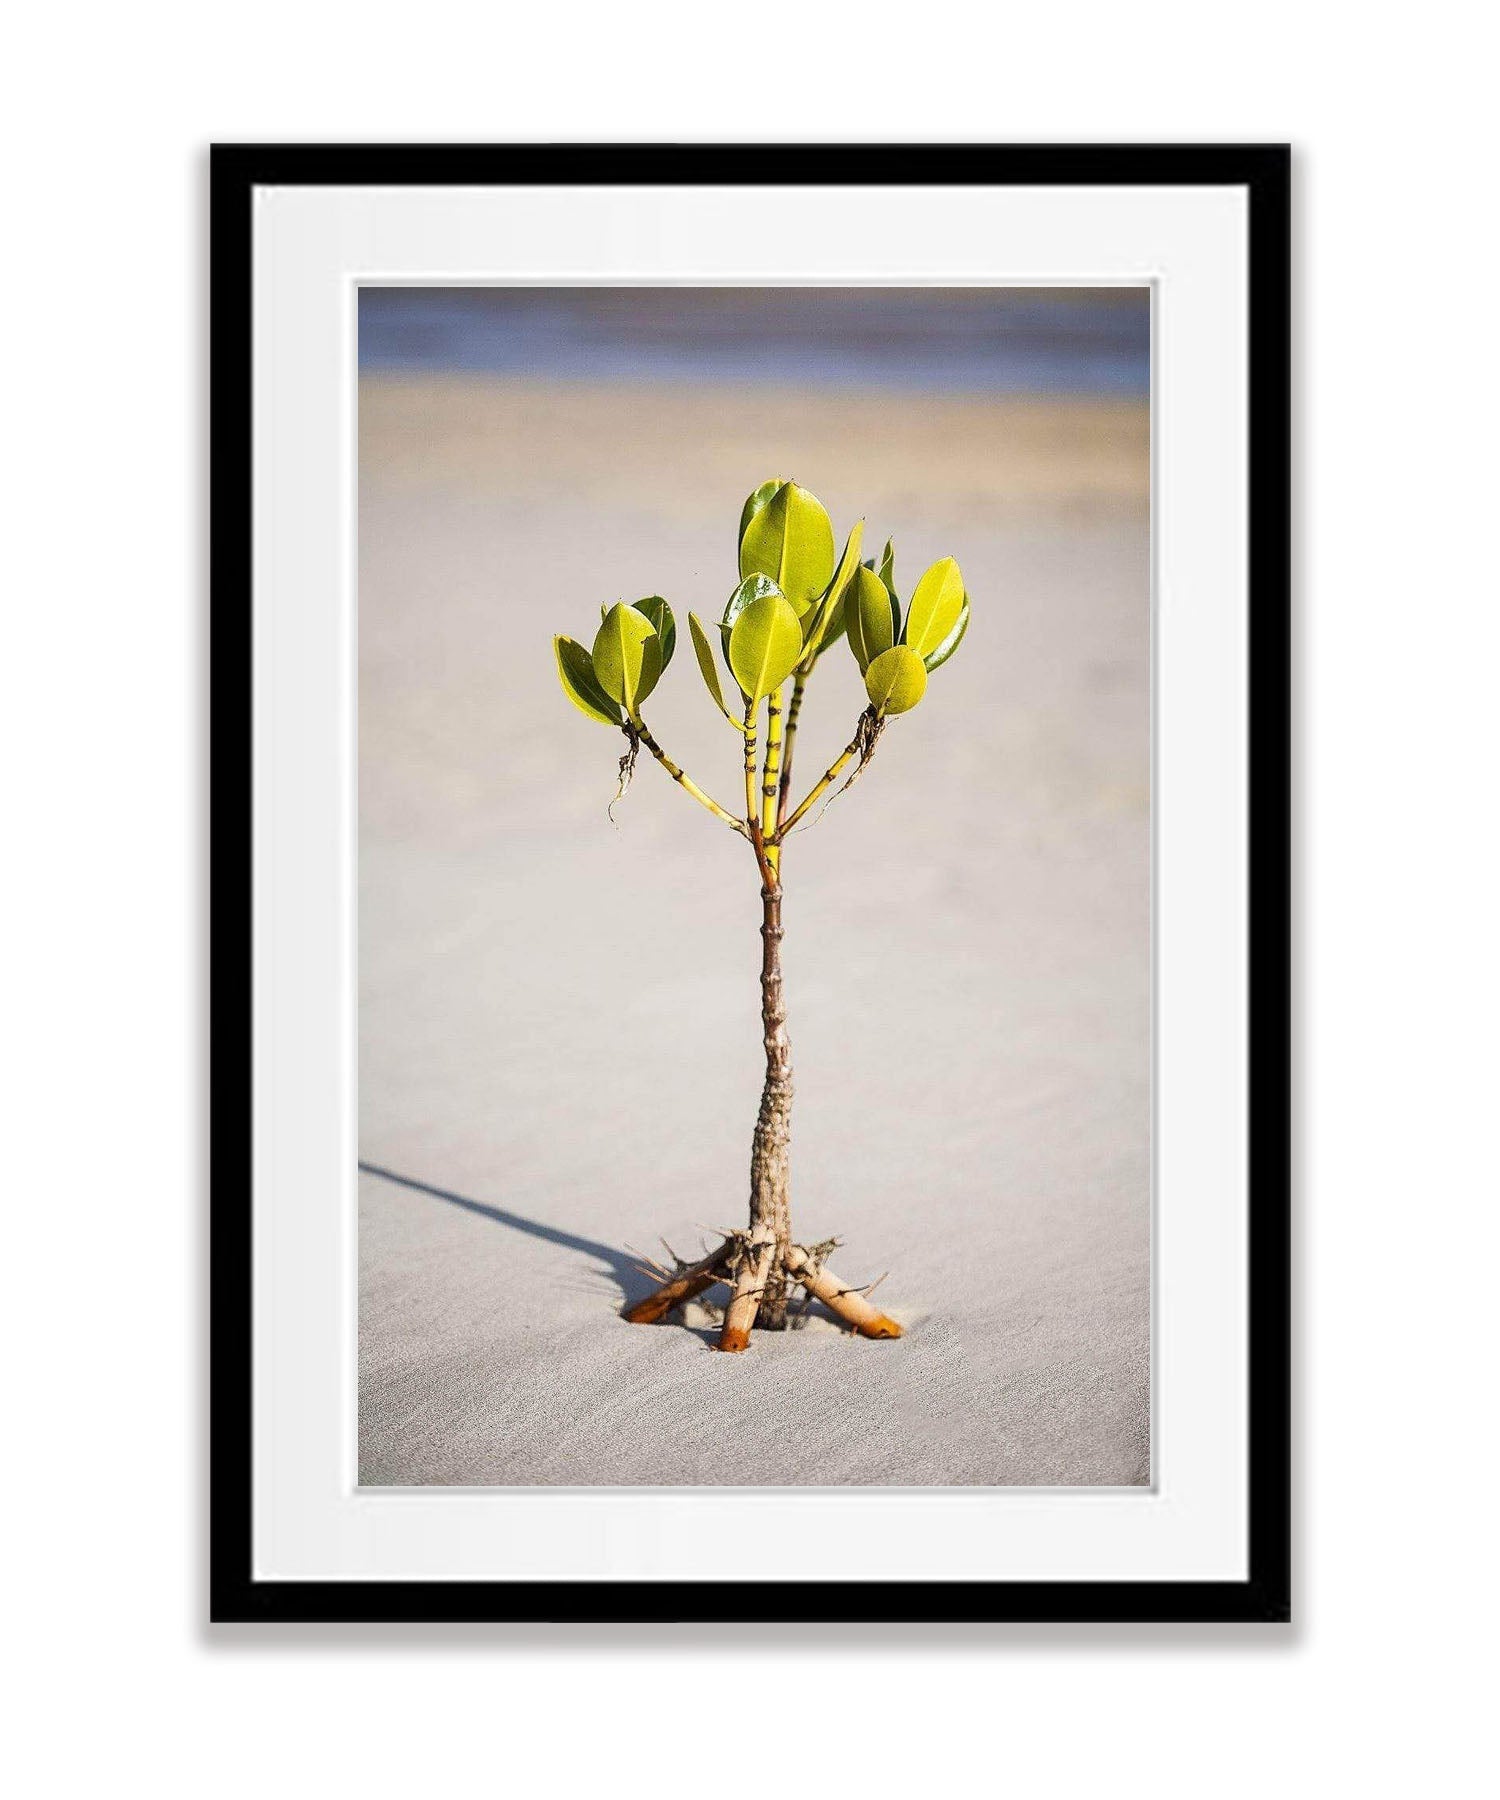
620, 1264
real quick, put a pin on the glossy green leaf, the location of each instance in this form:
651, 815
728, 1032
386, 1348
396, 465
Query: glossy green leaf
765, 645
888, 565
704, 652
660, 615
575, 670
869, 617
936, 658
753, 587
627, 657
790, 539
896, 680
762, 497
816, 619
936, 602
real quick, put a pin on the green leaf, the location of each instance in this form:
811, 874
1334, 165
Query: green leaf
887, 578
704, 652
936, 602
868, 617
790, 539
753, 587
815, 620
888, 565
896, 680
762, 497
936, 658
627, 657
765, 645
660, 615
575, 670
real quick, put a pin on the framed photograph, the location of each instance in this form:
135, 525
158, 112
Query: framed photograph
750, 854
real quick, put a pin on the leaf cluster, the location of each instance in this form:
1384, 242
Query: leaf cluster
795, 598
631, 650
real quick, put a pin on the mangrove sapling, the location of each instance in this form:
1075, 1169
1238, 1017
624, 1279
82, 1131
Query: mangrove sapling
795, 599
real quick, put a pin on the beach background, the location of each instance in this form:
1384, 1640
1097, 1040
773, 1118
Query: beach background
559, 1031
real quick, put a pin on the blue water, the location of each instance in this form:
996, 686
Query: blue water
1075, 341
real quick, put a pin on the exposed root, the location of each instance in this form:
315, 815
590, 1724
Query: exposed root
689, 1280
750, 1263
743, 1261
627, 769
817, 1255
866, 737
847, 1303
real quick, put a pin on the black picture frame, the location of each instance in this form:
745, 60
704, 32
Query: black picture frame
1263, 171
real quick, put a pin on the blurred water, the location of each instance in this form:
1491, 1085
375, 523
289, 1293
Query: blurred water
1076, 341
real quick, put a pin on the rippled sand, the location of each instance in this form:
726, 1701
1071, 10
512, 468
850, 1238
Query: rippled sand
559, 1047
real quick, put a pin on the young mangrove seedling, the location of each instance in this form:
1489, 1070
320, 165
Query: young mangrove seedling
795, 599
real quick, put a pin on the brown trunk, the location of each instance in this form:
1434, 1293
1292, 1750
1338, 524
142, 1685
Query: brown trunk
761, 1263
770, 1154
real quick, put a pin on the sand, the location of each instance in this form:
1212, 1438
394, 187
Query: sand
559, 1050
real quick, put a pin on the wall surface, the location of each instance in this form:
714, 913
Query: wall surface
1380, 1686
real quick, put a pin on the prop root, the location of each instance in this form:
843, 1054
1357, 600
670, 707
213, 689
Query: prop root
689, 1281
847, 1303
752, 1272
744, 1261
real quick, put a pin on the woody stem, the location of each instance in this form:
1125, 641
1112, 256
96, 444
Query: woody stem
761, 1278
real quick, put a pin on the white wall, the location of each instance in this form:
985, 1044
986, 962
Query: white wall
1377, 1689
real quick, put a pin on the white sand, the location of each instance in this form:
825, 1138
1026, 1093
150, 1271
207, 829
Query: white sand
558, 1018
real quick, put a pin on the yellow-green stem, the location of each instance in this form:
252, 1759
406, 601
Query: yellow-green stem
752, 811
831, 775
793, 712
770, 786
686, 782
